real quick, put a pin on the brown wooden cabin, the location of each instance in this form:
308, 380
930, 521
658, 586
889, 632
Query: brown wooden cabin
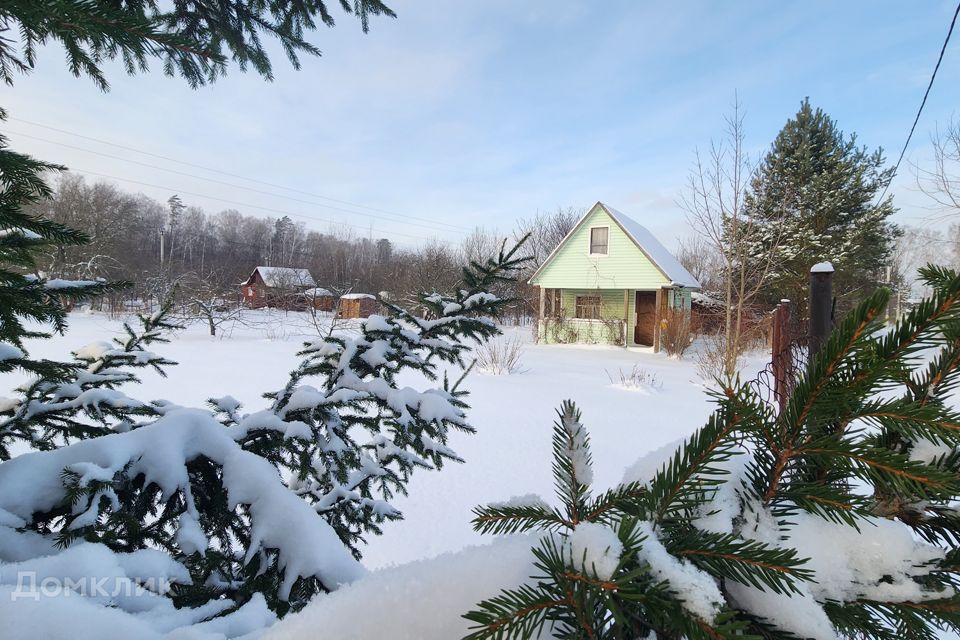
280, 287
357, 305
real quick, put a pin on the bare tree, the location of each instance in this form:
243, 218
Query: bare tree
942, 183
207, 299
704, 262
545, 231
714, 202
327, 323
480, 244
914, 248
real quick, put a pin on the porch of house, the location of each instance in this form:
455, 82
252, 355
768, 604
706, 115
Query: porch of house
624, 317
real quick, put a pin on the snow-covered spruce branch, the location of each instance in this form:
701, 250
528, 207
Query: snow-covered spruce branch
84, 400
833, 519
607, 569
351, 442
182, 485
131, 476
25, 293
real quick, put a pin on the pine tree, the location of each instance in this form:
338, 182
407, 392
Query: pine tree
834, 518
814, 193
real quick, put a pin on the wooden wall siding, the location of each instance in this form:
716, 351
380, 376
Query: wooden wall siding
681, 299
322, 303
624, 266
357, 307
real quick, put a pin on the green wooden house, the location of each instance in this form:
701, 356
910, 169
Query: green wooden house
610, 281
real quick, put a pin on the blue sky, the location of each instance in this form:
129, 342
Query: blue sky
477, 113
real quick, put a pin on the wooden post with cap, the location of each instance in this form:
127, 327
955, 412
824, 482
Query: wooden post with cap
821, 305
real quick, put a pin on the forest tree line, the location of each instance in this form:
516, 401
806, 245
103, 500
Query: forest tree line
213, 252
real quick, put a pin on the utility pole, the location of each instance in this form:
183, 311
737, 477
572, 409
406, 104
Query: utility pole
161, 248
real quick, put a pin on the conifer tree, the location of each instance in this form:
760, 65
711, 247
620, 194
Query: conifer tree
834, 518
815, 192
25, 294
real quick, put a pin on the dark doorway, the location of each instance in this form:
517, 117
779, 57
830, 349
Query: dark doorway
646, 318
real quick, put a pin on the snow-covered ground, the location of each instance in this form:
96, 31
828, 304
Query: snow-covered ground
513, 414
509, 455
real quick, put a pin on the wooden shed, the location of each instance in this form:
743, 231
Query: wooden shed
357, 305
320, 299
610, 281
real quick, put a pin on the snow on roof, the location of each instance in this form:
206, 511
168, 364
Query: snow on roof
286, 277
704, 300
357, 296
318, 292
657, 253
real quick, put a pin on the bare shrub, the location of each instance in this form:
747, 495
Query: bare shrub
713, 357
712, 354
500, 357
564, 330
635, 378
675, 335
615, 334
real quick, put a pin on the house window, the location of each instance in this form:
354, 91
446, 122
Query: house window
598, 240
588, 307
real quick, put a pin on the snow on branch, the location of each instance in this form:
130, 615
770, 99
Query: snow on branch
80, 483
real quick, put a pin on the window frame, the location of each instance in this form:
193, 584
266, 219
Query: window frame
580, 302
590, 250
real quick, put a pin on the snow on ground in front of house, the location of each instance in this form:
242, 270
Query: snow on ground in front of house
513, 414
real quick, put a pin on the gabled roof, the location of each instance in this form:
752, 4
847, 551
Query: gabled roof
285, 277
658, 255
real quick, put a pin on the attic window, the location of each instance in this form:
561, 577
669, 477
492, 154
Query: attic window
598, 240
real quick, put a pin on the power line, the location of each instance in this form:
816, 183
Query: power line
241, 204
232, 175
923, 103
236, 186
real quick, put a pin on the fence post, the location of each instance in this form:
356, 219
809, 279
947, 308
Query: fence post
821, 305
781, 358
